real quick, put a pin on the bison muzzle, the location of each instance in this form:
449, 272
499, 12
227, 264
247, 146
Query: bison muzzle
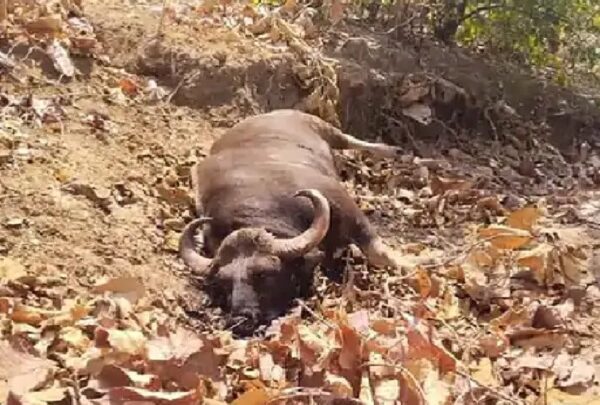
272, 207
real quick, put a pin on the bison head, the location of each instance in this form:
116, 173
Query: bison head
257, 272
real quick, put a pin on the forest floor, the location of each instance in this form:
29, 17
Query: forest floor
495, 195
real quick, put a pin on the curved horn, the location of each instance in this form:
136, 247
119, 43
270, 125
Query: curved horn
310, 238
187, 247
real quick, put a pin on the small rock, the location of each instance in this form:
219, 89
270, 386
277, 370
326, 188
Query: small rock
527, 167
14, 223
100, 196
174, 224
421, 175
511, 152
171, 243
486, 171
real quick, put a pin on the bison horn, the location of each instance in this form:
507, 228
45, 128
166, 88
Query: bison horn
198, 263
310, 238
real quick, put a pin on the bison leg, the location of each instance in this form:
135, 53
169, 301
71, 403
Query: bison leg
340, 140
380, 255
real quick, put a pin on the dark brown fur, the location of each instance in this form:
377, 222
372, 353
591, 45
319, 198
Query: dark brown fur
249, 180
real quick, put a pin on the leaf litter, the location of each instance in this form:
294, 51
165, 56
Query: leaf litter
495, 322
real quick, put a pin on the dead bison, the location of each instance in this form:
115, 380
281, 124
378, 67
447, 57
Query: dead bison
272, 207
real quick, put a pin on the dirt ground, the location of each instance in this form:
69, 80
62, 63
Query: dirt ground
104, 190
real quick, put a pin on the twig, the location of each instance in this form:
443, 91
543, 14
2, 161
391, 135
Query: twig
491, 390
463, 253
180, 84
486, 114
306, 392
314, 314
163, 17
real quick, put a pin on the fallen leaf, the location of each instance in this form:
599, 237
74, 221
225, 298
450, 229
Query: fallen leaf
253, 396
437, 392
366, 392
127, 341
484, 373
551, 317
177, 346
440, 185
338, 385
74, 337
536, 260
503, 237
419, 112
537, 338
45, 25
11, 269
43, 397
114, 376
424, 284
581, 374
27, 314
290, 5
60, 58
23, 371
128, 86
555, 396
421, 347
336, 11
387, 391
524, 218
124, 395
131, 288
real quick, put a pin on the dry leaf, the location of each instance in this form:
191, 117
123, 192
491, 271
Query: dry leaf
503, 237
419, 112
124, 395
74, 337
336, 11
537, 338
131, 288
338, 385
290, 5
128, 86
420, 347
555, 396
581, 374
440, 185
366, 393
113, 376
551, 317
387, 391
43, 397
254, 396
177, 346
29, 315
127, 341
524, 218
23, 371
536, 260
424, 284
60, 58
437, 392
49, 25
484, 373
11, 269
